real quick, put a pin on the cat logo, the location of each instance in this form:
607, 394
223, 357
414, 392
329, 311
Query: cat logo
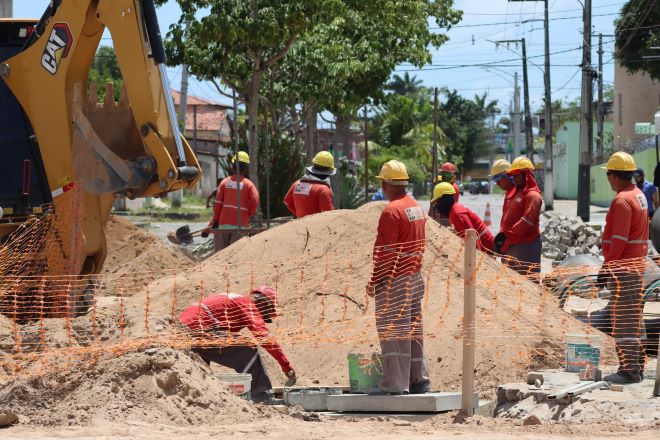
58, 47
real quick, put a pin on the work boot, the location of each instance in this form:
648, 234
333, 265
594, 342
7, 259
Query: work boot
420, 388
267, 399
624, 377
378, 392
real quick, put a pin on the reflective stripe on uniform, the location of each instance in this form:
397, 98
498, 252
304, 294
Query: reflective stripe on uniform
527, 221
638, 241
484, 232
620, 237
235, 207
395, 354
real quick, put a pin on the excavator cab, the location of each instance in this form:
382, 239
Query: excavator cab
56, 138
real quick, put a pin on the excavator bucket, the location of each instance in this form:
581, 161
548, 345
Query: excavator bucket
108, 154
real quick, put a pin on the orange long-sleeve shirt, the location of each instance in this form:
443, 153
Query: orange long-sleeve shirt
230, 312
399, 246
626, 226
521, 218
307, 197
225, 210
462, 218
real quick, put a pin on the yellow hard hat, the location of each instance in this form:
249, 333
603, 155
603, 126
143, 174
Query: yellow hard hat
243, 157
324, 159
500, 166
621, 161
443, 189
393, 171
521, 163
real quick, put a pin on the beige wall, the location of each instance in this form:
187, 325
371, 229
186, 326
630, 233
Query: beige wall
636, 99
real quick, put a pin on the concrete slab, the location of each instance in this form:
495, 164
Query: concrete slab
413, 403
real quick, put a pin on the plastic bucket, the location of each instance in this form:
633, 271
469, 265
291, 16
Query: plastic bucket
239, 384
365, 371
582, 351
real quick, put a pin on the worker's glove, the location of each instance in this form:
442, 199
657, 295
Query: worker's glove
206, 232
291, 378
499, 242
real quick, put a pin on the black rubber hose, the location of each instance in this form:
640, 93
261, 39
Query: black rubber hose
41, 25
153, 32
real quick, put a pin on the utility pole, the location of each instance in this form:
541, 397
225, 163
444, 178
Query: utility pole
549, 192
529, 137
366, 156
435, 136
515, 123
600, 111
6, 9
586, 121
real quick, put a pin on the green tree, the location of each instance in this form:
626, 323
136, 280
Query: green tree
636, 32
341, 64
105, 69
238, 41
404, 85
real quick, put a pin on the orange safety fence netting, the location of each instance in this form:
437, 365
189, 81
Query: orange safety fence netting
70, 321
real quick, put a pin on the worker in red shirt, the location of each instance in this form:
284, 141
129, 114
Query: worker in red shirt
520, 235
312, 193
460, 217
398, 288
449, 173
498, 174
234, 196
215, 322
625, 247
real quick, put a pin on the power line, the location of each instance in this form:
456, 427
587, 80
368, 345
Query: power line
530, 20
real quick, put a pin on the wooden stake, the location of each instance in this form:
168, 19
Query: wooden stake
656, 390
469, 310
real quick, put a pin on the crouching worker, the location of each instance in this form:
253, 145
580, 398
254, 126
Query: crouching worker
217, 316
460, 217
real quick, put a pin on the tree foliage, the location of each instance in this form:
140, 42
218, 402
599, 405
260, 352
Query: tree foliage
105, 69
637, 31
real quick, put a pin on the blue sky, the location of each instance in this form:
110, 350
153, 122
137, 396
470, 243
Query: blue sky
483, 20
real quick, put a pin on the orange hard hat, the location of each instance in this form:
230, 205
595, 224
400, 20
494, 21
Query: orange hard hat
268, 294
448, 166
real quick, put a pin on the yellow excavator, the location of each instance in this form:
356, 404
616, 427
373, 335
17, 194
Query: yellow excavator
55, 136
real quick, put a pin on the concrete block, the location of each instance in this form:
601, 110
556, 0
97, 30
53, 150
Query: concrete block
486, 408
430, 402
533, 377
617, 388
566, 240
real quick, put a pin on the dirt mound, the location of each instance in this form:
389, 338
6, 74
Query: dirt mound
165, 387
321, 265
130, 249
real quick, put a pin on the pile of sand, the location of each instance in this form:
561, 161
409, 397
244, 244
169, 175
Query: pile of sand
165, 387
321, 265
131, 249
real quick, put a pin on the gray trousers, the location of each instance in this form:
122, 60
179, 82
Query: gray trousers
525, 257
400, 330
238, 357
627, 304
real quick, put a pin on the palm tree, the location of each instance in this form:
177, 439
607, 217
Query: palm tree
488, 109
404, 85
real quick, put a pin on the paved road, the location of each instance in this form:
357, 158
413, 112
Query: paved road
478, 204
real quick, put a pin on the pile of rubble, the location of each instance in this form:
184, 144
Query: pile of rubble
565, 236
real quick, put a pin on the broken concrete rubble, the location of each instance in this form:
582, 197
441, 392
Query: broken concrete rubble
565, 236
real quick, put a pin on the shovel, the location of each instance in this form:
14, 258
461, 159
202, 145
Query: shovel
183, 235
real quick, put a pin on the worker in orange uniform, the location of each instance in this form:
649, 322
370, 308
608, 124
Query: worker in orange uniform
235, 193
449, 173
312, 193
460, 217
498, 174
213, 321
520, 236
625, 247
398, 288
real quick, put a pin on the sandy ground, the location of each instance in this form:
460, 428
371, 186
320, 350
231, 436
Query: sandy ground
355, 429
